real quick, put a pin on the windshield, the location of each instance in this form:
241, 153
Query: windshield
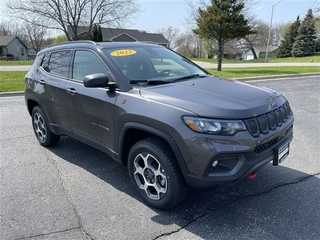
153, 64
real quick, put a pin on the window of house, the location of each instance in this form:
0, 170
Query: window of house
22, 51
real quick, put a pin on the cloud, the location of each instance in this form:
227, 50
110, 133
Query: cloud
259, 8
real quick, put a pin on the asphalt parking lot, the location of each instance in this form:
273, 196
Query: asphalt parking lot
72, 191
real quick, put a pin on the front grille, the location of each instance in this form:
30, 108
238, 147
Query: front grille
269, 121
266, 145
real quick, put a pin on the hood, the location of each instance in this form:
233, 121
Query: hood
215, 97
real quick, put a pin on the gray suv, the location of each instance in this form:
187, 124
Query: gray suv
172, 123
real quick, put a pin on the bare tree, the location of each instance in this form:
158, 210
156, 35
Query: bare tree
64, 14
35, 36
190, 45
172, 34
11, 28
277, 34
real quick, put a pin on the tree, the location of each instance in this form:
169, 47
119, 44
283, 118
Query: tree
208, 47
11, 28
318, 45
35, 36
31, 35
285, 47
305, 44
97, 34
68, 15
190, 45
59, 39
172, 34
259, 37
222, 21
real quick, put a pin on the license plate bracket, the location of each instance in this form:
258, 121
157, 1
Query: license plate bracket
281, 153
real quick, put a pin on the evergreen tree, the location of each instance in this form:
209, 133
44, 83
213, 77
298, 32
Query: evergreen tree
285, 47
99, 35
94, 33
221, 22
318, 45
305, 44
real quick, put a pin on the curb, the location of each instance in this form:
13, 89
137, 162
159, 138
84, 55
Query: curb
21, 93
11, 94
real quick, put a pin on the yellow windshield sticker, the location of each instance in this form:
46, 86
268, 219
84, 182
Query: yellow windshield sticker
124, 52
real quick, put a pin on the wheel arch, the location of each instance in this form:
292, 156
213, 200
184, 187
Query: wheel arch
31, 103
133, 132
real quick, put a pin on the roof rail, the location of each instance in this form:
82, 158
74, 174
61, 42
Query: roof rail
76, 41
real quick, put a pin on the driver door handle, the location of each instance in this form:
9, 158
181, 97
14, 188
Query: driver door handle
71, 91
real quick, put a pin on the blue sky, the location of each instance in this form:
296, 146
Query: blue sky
164, 13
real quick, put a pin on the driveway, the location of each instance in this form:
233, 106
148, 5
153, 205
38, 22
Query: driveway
72, 191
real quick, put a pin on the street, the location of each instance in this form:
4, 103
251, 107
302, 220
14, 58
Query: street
72, 191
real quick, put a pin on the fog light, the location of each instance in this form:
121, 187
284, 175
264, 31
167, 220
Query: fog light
215, 163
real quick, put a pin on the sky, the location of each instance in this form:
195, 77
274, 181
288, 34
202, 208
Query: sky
159, 14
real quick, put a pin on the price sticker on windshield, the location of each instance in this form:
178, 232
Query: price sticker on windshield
123, 52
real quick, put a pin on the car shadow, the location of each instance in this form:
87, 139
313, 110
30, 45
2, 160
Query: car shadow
279, 198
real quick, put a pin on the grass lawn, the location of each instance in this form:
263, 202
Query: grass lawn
12, 81
11, 63
262, 71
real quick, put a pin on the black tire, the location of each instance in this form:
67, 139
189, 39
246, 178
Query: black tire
155, 174
41, 128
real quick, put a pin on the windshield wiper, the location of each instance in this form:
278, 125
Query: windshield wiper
150, 82
195, 75
156, 81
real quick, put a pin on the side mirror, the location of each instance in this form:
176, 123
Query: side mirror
95, 80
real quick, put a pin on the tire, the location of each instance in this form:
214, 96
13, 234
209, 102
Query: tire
41, 128
155, 174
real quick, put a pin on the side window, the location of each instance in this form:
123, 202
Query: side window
57, 63
45, 62
85, 63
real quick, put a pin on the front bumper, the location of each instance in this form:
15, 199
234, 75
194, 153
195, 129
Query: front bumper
237, 157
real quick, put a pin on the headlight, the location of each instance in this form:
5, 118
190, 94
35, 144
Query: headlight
214, 126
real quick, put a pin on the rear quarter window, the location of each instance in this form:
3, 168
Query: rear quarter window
57, 63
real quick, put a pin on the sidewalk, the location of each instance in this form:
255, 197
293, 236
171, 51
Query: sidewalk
201, 64
240, 65
16, 68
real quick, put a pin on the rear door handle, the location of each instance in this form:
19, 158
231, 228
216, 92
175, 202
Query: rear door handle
71, 91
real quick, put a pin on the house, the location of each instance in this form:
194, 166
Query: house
247, 54
11, 48
124, 35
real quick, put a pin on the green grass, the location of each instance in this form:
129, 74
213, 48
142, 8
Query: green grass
262, 71
12, 81
15, 63
315, 58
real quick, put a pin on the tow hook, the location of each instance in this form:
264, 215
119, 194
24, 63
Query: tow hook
252, 175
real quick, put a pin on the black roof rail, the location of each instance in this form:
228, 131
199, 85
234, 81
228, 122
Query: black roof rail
76, 41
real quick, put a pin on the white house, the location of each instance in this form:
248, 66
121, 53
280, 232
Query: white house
260, 52
12, 45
